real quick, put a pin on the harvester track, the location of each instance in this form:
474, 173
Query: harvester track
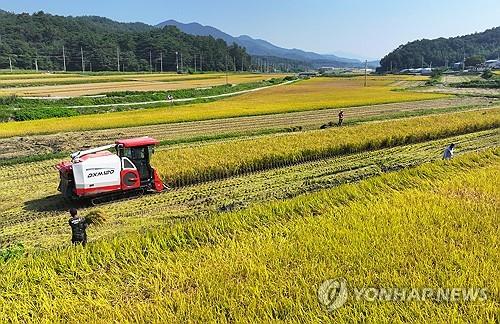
41, 219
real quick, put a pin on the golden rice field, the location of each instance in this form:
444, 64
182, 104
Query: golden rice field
33, 212
207, 162
217, 129
8, 83
313, 94
434, 226
99, 84
447, 79
394, 77
253, 226
46, 78
34, 75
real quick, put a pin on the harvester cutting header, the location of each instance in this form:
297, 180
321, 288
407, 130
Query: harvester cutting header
101, 175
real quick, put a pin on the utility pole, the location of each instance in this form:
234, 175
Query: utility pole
195, 63
117, 59
36, 64
463, 63
201, 63
366, 71
90, 66
150, 63
177, 62
182, 65
10, 64
226, 71
242, 64
422, 62
64, 60
83, 65
234, 63
161, 62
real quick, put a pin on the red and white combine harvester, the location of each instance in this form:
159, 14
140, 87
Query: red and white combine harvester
100, 175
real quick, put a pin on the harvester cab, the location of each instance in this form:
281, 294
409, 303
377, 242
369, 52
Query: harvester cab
98, 172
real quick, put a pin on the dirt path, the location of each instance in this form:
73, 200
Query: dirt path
72, 141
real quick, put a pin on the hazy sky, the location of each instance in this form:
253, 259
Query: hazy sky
365, 28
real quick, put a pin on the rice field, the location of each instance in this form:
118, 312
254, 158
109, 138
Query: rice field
314, 94
207, 162
219, 129
411, 228
449, 79
479, 92
253, 225
33, 212
84, 85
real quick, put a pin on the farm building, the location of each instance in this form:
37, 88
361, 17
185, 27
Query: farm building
492, 64
307, 74
423, 71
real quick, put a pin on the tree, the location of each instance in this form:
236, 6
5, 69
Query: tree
41, 36
443, 51
474, 60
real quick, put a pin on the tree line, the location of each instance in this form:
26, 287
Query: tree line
443, 51
50, 42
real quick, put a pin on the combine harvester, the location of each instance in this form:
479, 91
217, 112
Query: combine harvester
101, 176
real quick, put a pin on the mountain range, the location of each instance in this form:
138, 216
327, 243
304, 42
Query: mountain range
259, 47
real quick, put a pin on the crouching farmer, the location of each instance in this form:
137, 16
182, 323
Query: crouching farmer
448, 152
78, 228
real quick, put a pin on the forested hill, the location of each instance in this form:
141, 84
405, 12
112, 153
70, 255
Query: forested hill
40, 37
441, 50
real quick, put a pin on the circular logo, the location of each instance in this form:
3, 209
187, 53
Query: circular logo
332, 293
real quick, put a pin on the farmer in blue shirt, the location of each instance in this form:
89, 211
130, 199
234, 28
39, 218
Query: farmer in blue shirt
448, 152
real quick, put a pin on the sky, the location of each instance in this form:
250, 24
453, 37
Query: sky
355, 28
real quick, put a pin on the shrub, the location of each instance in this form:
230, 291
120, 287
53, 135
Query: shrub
487, 74
42, 113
